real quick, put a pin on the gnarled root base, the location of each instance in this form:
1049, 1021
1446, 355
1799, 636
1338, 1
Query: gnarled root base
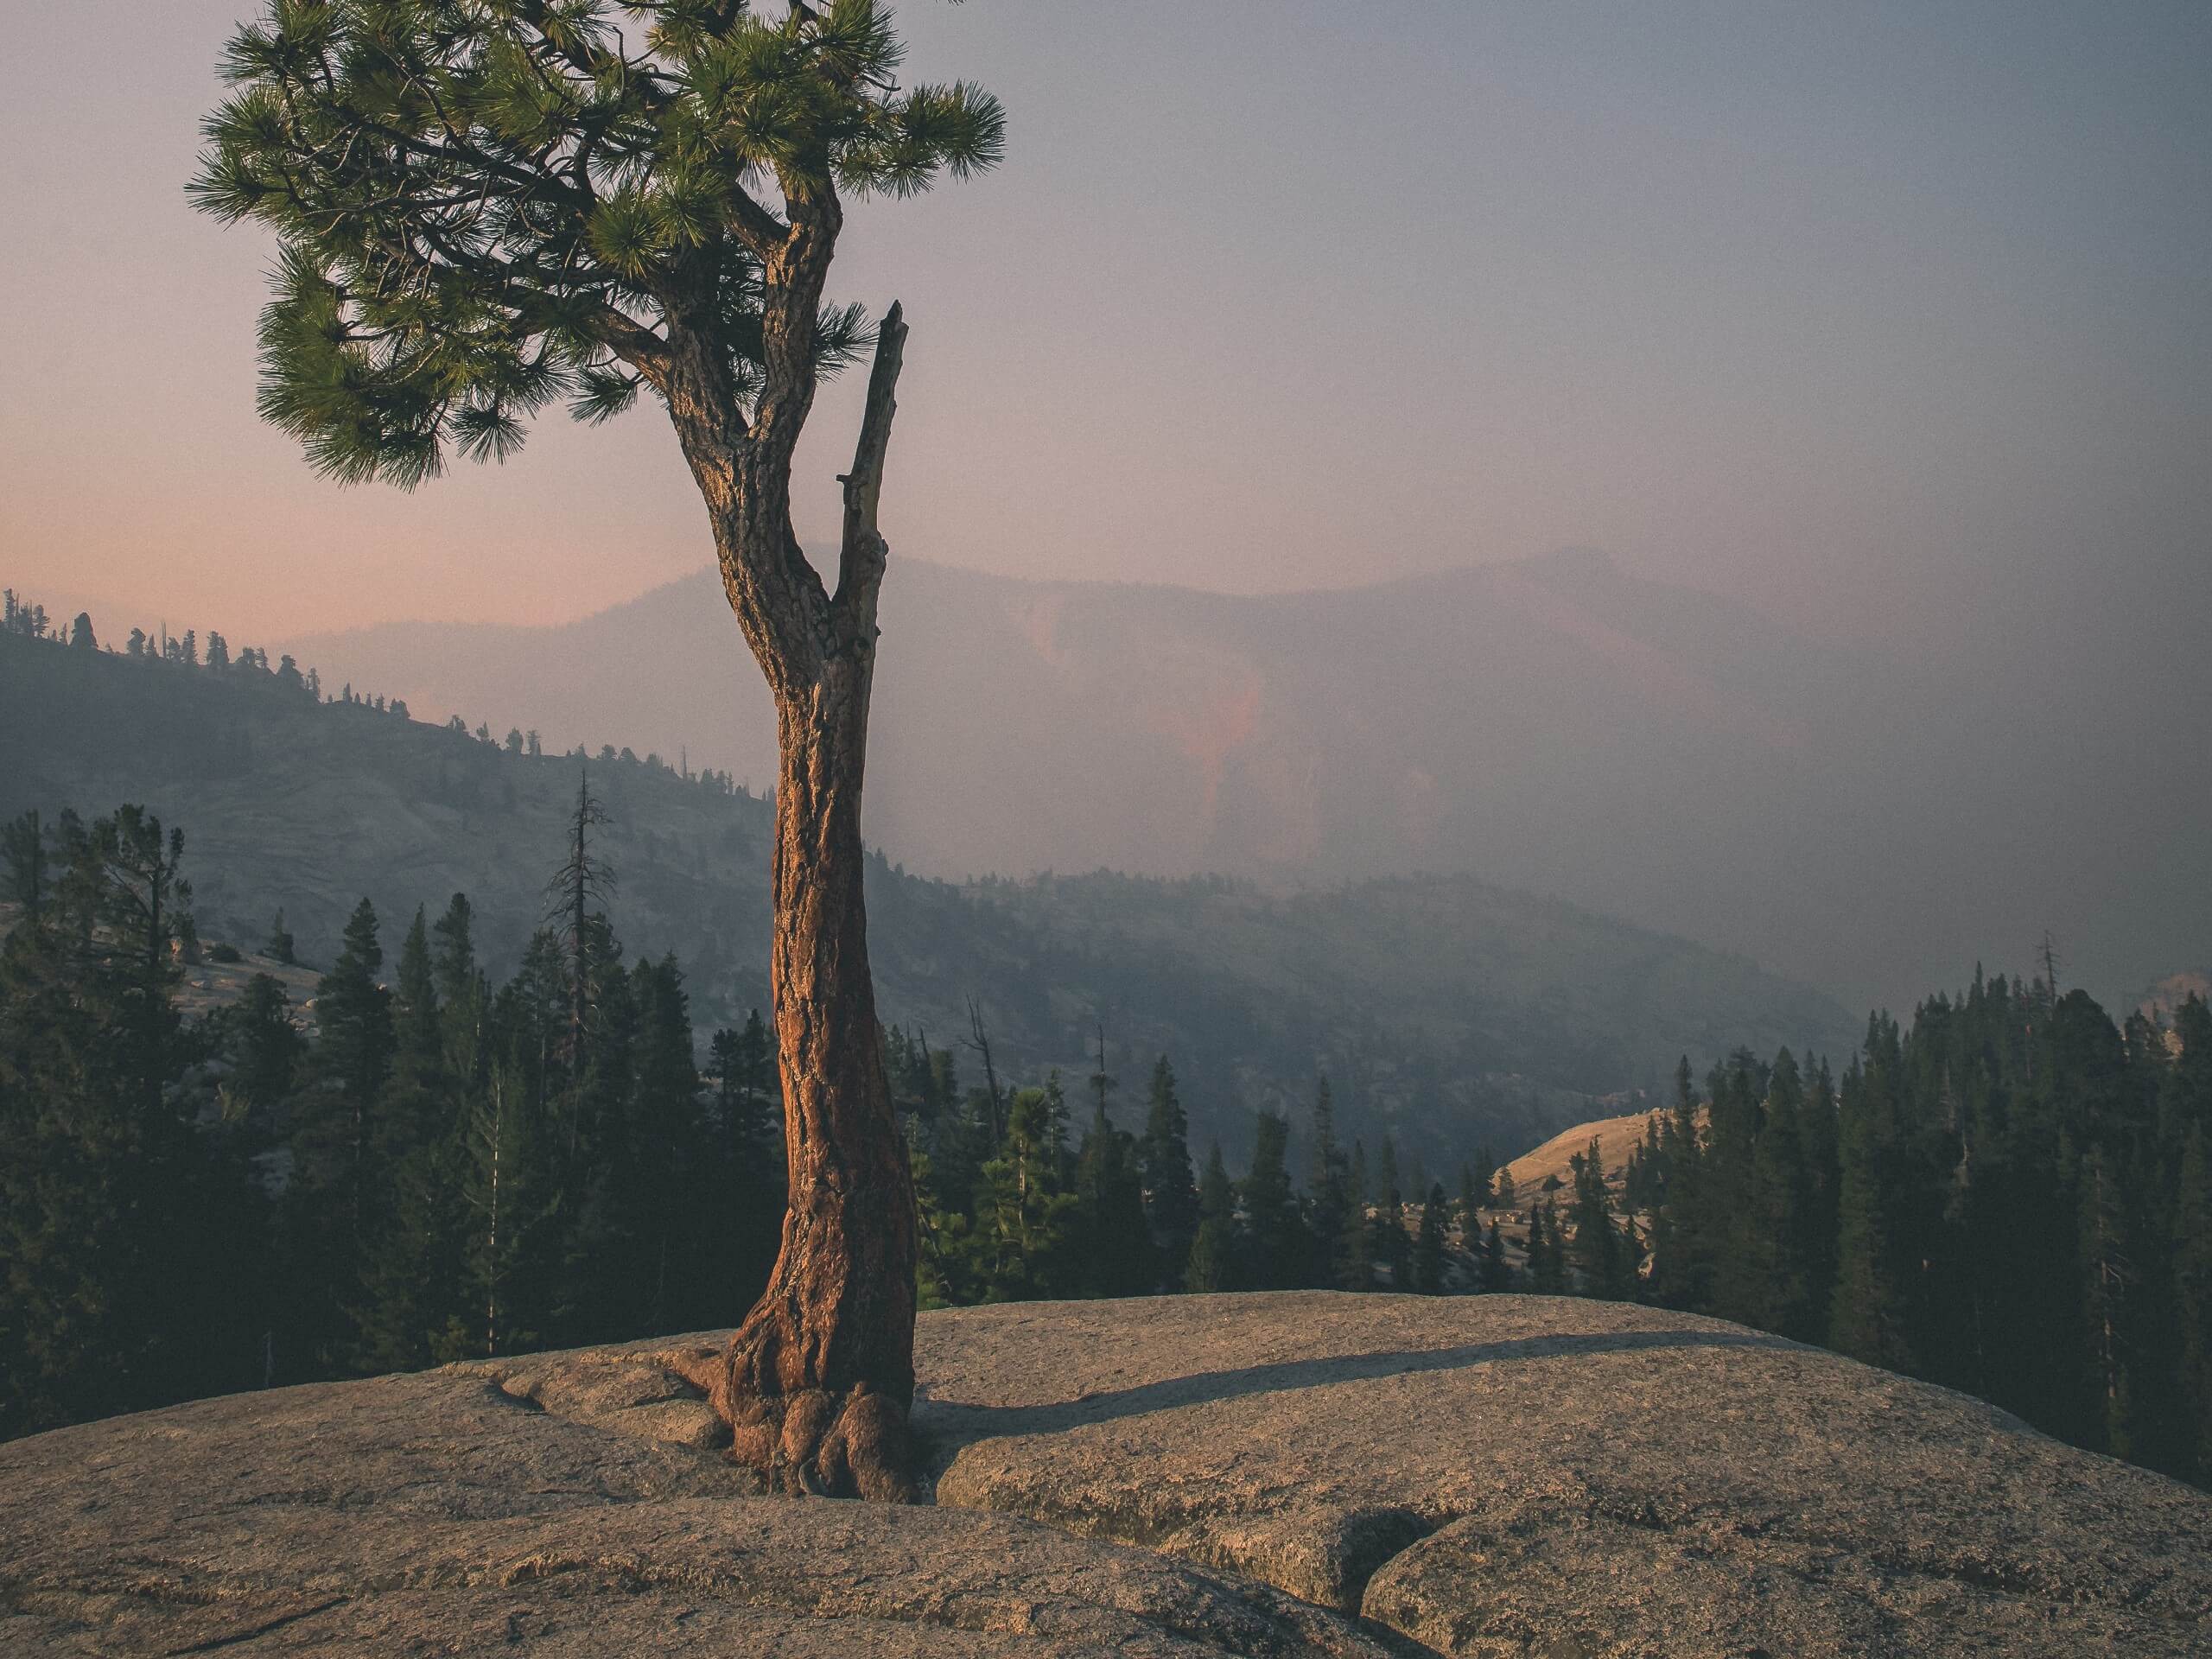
854, 1445
817, 1442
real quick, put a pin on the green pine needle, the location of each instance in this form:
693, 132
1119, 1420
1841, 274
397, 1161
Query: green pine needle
478, 202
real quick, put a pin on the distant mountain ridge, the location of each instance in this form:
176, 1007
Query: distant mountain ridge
1445, 1009
1555, 723
1872, 821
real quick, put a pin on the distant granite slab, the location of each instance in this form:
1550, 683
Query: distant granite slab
1293, 1474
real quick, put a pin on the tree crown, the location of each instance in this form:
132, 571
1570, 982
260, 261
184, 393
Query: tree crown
482, 206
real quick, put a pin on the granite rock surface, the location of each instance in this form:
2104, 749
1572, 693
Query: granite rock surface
1288, 1474
1519, 1475
562, 1507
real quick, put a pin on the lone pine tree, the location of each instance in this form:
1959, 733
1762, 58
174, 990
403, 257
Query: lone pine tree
480, 208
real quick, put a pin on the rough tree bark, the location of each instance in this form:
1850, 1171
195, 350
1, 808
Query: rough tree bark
818, 1381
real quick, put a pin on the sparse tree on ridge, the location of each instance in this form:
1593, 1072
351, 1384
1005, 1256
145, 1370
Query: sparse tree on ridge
480, 209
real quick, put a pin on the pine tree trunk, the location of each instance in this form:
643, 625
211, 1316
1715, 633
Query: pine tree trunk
819, 1380
816, 1382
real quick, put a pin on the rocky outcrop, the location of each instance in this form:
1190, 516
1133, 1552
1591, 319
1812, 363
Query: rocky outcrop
554, 1510
1516, 1475
1296, 1474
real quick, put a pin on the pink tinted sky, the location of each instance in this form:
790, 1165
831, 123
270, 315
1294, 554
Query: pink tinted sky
1858, 311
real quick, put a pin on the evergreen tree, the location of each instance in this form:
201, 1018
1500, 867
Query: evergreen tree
411, 1260
1869, 1317
1779, 1244
1491, 1273
1683, 1275
23, 844
1328, 1193
576, 894
1726, 1225
1600, 1252
945, 1246
1547, 1256
1431, 1254
127, 1260
266, 1050
1171, 1199
1387, 1239
689, 1225
1355, 1250
1277, 1241
510, 1204
1817, 1136
2108, 1276
747, 1093
1029, 1224
1472, 1193
1117, 1254
1217, 1252
411, 1116
279, 946
329, 1214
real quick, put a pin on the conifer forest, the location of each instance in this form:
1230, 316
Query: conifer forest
2012, 1194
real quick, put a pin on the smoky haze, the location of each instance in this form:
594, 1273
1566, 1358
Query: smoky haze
1871, 821
1890, 326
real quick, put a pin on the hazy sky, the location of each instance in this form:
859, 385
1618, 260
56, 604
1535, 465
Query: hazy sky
1884, 317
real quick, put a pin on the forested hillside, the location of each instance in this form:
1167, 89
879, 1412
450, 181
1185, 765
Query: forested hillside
1448, 1012
417, 1152
1866, 822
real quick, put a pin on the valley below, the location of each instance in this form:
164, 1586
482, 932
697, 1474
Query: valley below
1444, 1011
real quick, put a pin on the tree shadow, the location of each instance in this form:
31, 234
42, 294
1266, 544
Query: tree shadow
949, 1425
